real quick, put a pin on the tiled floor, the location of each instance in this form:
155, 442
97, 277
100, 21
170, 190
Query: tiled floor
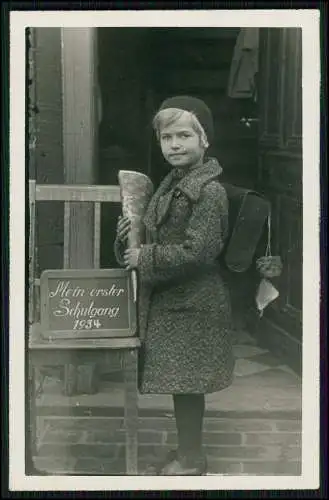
261, 383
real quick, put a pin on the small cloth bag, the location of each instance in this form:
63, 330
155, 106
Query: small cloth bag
269, 266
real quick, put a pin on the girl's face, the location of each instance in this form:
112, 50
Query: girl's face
180, 143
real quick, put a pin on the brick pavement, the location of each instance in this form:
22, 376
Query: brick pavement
252, 428
95, 445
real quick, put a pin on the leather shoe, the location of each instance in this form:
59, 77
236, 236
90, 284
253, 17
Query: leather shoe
156, 467
185, 466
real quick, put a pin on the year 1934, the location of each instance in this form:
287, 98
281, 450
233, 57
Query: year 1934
86, 324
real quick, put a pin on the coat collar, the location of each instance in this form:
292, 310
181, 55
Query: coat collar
191, 185
193, 182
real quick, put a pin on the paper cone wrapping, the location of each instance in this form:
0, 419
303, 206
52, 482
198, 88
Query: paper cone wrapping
136, 190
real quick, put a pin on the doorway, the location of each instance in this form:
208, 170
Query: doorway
138, 68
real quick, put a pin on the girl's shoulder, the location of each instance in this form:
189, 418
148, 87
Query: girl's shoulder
214, 188
214, 196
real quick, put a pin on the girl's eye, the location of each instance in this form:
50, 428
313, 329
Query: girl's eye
182, 135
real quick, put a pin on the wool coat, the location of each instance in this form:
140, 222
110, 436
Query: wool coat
184, 307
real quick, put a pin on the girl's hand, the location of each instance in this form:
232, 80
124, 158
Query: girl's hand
130, 258
123, 228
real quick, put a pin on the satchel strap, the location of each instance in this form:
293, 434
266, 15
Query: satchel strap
268, 252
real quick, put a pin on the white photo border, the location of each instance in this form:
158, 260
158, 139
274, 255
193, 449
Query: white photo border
309, 21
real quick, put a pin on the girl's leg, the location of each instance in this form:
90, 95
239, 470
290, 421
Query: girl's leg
188, 459
189, 413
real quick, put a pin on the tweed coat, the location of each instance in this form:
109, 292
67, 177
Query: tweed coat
184, 308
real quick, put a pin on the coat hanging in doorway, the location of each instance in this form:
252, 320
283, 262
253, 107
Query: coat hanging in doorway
244, 65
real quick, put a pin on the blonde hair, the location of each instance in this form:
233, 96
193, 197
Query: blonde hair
166, 117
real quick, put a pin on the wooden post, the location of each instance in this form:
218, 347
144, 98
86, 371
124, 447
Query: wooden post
130, 360
31, 253
79, 134
80, 122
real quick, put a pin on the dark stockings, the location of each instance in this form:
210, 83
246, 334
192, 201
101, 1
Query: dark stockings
189, 412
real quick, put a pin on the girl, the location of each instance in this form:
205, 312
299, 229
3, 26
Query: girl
184, 309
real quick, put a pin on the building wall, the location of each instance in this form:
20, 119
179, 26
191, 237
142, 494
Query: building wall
46, 161
280, 178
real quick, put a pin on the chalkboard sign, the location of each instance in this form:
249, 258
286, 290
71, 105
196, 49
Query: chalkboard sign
87, 303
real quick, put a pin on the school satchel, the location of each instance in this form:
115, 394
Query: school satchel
248, 212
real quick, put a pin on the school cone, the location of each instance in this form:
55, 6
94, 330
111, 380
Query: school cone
136, 190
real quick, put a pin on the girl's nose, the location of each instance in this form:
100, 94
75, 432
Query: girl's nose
175, 143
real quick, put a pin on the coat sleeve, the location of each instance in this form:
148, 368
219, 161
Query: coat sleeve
204, 239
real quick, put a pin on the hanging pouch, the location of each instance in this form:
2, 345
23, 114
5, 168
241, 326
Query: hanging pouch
269, 266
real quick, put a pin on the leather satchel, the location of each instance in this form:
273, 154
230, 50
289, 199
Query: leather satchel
248, 212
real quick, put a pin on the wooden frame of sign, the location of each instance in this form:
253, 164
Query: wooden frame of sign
87, 304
